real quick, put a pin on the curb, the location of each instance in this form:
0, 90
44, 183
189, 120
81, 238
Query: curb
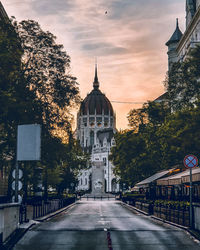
20, 232
15, 237
132, 208
48, 216
193, 233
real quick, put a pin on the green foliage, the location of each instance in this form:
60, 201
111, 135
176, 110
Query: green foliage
182, 82
162, 143
160, 139
174, 204
46, 69
36, 87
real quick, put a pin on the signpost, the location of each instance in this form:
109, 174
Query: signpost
28, 149
190, 161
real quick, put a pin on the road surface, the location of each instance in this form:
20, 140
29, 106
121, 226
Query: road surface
98, 225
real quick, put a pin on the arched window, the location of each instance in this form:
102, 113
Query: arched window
91, 138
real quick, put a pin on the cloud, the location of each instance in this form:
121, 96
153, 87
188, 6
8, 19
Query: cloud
104, 49
129, 41
49, 7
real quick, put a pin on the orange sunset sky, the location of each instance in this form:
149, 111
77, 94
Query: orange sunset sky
127, 36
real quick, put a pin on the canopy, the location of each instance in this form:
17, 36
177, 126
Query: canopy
153, 178
180, 178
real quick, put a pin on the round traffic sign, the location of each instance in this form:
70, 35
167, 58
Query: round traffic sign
19, 185
190, 161
14, 174
19, 199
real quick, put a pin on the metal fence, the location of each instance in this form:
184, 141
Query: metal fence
175, 214
178, 215
42, 208
85, 197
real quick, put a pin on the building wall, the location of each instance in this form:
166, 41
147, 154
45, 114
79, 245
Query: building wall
172, 55
3, 14
88, 127
197, 4
9, 219
191, 36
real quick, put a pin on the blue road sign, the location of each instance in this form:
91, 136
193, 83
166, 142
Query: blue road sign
190, 161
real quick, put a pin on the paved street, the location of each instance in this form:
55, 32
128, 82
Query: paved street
86, 225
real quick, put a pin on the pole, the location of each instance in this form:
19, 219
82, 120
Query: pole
16, 181
108, 172
191, 212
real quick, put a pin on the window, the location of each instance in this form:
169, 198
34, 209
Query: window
91, 138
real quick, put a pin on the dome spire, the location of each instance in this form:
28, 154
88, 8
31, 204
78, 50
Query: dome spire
96, 81
176, 37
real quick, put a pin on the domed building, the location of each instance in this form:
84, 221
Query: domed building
96, 125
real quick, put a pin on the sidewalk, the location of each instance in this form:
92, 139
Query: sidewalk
23, 228
192, 232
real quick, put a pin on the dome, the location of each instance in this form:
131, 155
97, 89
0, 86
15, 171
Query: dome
96, 100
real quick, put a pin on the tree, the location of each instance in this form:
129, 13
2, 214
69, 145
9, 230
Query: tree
35, 87
46, 69
182, 81
138, 153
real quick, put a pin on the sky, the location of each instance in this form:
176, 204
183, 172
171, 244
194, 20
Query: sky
127, 36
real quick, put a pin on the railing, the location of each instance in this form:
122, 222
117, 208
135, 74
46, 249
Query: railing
85, 197
175, 214
178, 215
23, 214
42, 208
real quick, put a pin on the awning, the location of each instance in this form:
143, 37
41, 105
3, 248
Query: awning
180, 178
195, 176
146, 182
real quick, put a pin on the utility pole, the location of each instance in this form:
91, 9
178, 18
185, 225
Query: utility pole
108, 171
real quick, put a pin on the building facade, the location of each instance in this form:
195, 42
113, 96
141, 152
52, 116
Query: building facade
179, 45
3, 14
96, 125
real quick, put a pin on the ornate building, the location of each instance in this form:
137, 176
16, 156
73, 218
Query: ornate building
3, 14
96, 125
179, 45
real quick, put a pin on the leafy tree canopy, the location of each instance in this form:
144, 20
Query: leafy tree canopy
182, 81
161, 143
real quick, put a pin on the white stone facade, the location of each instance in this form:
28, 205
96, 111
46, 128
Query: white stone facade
179, 50
96, 125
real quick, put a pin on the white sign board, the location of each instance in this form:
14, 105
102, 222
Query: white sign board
28, 142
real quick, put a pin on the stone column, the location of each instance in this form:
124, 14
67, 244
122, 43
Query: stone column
97, 178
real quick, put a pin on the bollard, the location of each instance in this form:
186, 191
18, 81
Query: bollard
109, 241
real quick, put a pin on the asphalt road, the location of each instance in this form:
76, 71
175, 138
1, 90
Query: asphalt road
98, 225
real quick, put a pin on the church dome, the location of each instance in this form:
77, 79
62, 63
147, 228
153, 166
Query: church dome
96, 100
